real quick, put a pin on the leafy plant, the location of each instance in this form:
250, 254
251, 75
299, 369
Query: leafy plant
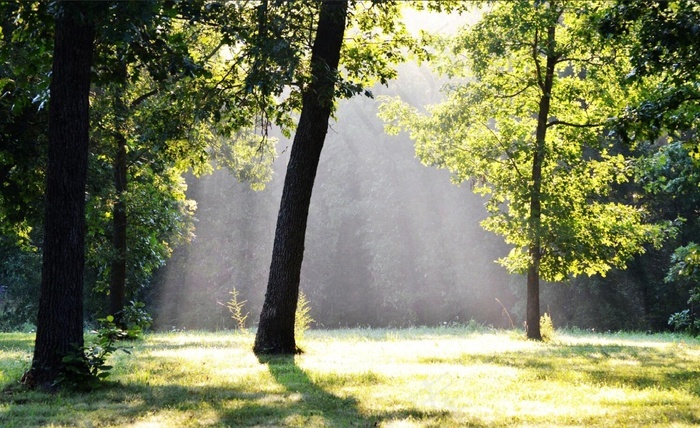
685, 321
546, 327
302, 319
136, 319
235, 306
685, 268
86, 366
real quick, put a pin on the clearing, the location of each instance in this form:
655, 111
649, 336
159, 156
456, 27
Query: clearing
418, 377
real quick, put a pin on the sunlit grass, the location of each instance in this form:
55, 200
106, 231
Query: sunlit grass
435, 377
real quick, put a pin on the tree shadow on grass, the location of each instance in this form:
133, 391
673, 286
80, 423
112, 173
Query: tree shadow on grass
314, 402
316, 406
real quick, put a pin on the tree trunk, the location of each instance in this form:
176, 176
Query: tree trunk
60, 318
535, 249
117, 282
117, 279
275, 333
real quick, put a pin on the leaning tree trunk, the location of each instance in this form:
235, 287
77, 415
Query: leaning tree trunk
60, 318
275, 333
535, 248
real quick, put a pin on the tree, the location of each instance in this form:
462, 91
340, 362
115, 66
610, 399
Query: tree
275, 334
60, 319
160, 104
373, 48
23, 144
27, 51
141, 74
154, 81
526, 125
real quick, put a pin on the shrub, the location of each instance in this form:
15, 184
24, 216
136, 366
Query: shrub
302, 319
685, 322
235, 306
546, 327
136, 319
86, 366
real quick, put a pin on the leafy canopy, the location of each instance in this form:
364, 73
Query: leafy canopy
485, 132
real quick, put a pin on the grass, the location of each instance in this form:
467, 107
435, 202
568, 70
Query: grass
432, 377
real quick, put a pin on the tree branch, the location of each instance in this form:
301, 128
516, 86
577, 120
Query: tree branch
538, 68
142, 98
506, 151
528, 86
573, 125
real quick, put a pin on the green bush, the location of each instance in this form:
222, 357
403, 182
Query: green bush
86, 366
136, 319
685, 322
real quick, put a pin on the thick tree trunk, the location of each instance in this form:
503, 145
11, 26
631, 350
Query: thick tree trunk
60, 318
276, 328
117, 283
535, 248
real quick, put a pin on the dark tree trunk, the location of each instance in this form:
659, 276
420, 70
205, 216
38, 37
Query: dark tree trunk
60, 318
276, 328
117, 282
117, 279
535, 248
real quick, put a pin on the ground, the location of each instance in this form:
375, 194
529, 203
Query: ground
433, 377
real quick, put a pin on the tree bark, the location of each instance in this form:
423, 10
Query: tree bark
60, 318
117, 281
275, 333
535, 248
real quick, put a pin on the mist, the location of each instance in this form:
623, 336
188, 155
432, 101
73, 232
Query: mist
390, 242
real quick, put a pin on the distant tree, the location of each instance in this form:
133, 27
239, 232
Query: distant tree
60, 319
140, 126
23, 146
525, 123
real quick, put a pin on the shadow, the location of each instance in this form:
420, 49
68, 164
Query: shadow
318, 406
120, 403
298, 402
315, 401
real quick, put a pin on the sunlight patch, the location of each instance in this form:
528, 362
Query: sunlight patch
404, 423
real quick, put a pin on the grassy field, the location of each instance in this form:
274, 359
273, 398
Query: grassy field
433, 377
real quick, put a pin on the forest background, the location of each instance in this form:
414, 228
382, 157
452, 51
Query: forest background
390, 242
